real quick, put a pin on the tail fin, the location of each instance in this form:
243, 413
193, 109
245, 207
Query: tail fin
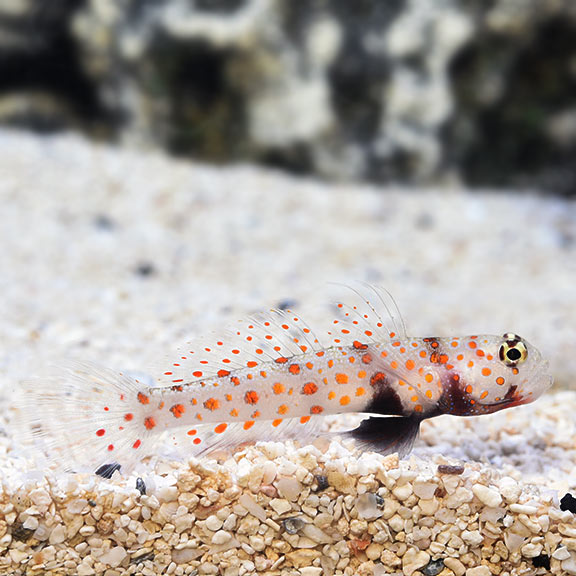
85, 418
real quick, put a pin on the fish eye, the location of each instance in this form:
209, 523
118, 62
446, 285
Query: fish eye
512, 351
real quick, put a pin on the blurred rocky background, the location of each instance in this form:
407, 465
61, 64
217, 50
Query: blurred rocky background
418, 92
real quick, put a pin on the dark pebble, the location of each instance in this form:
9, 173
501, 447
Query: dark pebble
145, 269
447, 469
568, 502
140, 486
541, 561
104, 222
433, 568
20, 533
106, 470
322, 482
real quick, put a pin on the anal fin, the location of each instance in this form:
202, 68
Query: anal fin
387, 435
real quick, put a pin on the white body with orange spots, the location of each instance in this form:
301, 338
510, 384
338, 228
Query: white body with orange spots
273, 378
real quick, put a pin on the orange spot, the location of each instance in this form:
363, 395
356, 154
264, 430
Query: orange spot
428, 393
484, 394
489, 357
422, 354
330, 363
418, 408
410, 364
469, 389
480, 353
220, 428
177, 410
251, 397
234, 412
255, 414
486, 371
472, 344
212, 404
320, 354
309, 388
235, 380
304, 419
514, 370
384, 354
316, 410
136, 444
367, 358
360, 391
282, 409
396, 344
149, 423
393, 364
228, 397
331, 395
128, 417
402, 350
251, 364
500, 380
143, 399
470, 364
194, 401
196, 440
100, 432
341, 378
294, 369
428, 378
434, 344
345, 400
309, 365
352, 359
359, 346
362, 374
277, 422
197, 374
278, 388
248, 424
460, 357
281, 360
110, 447
454, 344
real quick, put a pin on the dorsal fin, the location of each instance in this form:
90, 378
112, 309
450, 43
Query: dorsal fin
367, 314
260, 338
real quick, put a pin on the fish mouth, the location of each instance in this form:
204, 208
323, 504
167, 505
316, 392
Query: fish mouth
513, 398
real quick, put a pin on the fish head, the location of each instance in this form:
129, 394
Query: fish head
497, 372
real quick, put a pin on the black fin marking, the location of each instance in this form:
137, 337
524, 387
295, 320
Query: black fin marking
387, 435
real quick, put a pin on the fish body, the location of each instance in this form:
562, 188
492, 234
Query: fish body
272, 378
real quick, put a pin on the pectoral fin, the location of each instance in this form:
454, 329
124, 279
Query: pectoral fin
387, 435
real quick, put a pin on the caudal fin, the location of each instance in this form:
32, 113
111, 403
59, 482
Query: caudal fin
84, 418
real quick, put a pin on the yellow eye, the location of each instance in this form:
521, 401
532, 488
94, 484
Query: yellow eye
512, 351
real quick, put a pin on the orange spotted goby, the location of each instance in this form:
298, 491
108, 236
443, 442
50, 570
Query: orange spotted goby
272, 378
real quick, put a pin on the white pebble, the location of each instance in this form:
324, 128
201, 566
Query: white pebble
221, 537
213, 523
58, 534
114, 556
280, 506
488, 496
